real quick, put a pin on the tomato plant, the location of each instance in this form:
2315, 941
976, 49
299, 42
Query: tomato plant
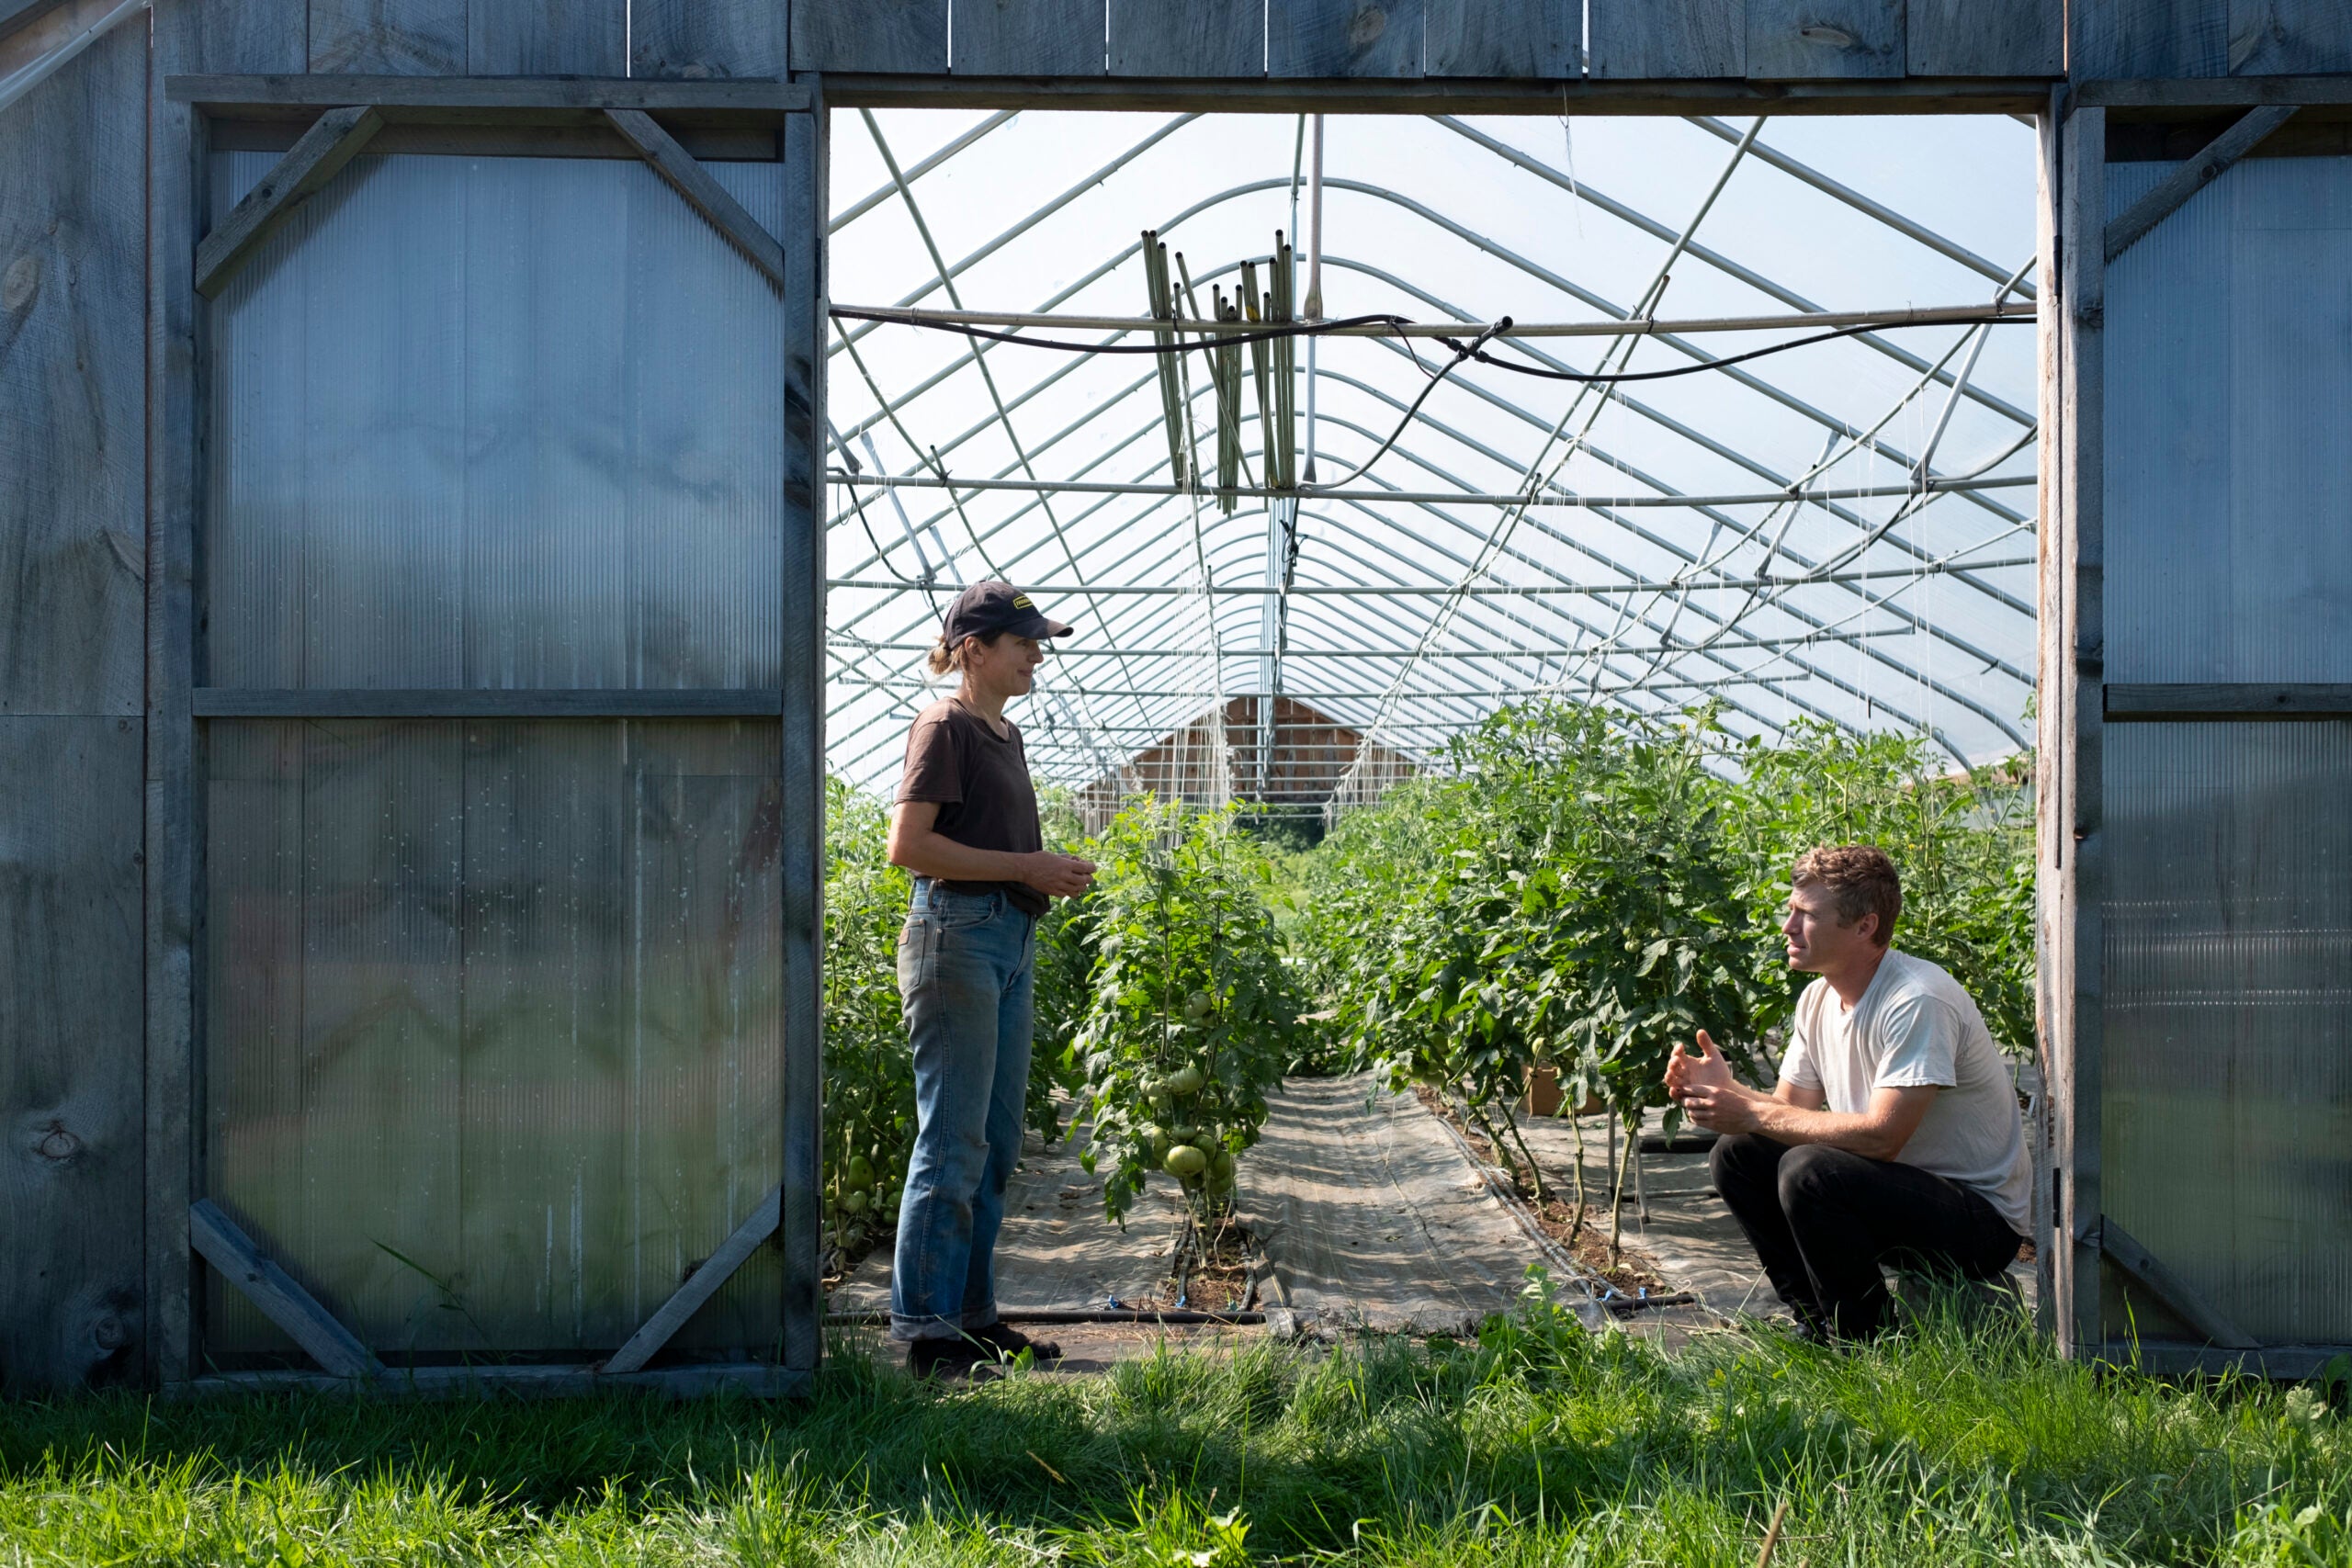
869, 1069
1193, 1012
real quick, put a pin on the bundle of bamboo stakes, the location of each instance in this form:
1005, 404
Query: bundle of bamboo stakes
1272, 365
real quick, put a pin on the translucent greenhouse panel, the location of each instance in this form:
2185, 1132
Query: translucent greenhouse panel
2228, 1045
497, 423
495, 1037
2231, 462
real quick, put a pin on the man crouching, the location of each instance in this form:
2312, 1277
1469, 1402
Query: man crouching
1893, 1131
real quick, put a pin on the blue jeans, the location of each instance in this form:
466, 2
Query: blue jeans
966, 983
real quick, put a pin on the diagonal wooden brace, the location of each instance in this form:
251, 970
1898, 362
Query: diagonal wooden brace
305, 170
220, 1243
700, 1286
704, 194
2147, 1271
2241, 138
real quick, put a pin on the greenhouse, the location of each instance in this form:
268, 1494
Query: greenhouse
1640, 706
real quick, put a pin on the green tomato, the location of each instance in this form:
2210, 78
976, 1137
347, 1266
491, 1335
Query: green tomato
1221, 1165
1184, 1162
1197, 1005
1186, 1080
861, 1171
855, 1201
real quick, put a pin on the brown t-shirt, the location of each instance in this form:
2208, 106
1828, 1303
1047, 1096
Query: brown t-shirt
981, 780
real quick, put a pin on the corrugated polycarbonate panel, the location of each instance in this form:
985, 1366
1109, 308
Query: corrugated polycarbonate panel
494, 1024
497, 423
2228, 1048
2229, 455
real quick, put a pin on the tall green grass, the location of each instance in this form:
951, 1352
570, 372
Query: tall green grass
1537, 1445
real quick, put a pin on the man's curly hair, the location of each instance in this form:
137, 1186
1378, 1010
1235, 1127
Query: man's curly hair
1862, 880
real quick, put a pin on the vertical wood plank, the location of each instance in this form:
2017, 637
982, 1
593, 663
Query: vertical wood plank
233, 37
1517, 38
73, 441
1686, 38
803, 847
1029, 38
2117, 39
71, 1180
907, 36
72, 386
388, 38
1805, 39
696, 40
1343, 38
1985, 38
547, 38
2290, 38
2080, 678
1188, 38
176, 205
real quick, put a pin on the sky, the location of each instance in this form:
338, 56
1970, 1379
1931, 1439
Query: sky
1531, 218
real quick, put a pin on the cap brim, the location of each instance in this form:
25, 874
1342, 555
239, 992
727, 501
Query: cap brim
1039, 626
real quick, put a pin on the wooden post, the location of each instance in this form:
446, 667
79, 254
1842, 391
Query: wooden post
805, 143
175, 493
2078, 664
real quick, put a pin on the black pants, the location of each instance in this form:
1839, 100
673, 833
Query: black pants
1821, 1220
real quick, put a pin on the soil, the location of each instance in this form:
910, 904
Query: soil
1626, 1268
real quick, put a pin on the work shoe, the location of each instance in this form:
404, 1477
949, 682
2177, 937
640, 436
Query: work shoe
1002, 1340
941, 1357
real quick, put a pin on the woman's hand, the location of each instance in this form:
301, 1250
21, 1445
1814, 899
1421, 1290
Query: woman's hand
1057, 876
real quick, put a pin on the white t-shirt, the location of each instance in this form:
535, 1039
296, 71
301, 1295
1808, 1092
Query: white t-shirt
1915, 1026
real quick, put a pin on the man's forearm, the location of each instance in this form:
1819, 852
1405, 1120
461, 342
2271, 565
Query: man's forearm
1857, 1133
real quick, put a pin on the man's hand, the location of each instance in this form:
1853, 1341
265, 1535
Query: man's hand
1057, 876
1697, 1066
1723, 1108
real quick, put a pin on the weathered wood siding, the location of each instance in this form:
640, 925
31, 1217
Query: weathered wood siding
1801, 39
1638, 38
73, 387
71, 1178
1188, 38
1984, 38
395, 38
1500, 37
870, 35
708, 39
1344, 38
1029, 38
72, 531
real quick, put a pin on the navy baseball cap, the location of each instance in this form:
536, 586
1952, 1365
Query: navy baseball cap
996, 607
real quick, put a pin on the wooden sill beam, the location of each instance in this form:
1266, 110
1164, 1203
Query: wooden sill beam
305, 170
459, 99
286, 1303
701, 192
699, 1287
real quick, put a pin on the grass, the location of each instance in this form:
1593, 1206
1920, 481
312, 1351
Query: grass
1538, 1445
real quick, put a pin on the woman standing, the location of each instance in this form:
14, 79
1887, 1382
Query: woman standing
967, 827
